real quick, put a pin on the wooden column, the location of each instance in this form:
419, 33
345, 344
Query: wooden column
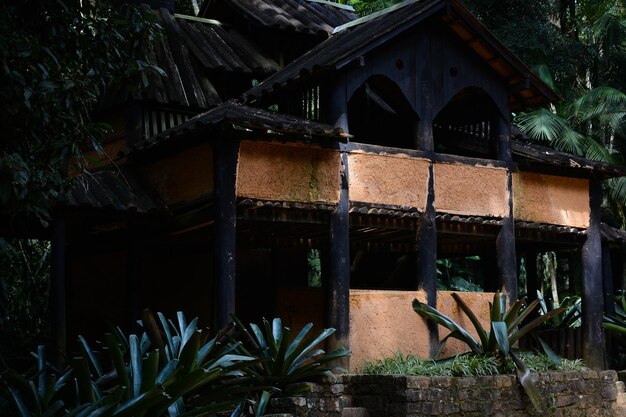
505, 250
592, 298
338, 300
58, 318
505, 241
426, 248
225, 166
607, 279
503, 138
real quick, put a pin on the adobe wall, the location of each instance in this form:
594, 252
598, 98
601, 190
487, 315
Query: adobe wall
388, 179
383, 322
551, 199
471, 190
288, 172
182, 177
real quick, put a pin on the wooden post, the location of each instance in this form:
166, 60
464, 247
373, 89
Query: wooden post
592, 298
607, 279
225, 166
505, 249
426, 245
338, 301
58, 318
503, 138
338, 289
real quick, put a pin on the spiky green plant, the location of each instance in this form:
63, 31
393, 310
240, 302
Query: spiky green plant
505, 330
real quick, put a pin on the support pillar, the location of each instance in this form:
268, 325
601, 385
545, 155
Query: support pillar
505, 242
607, 279
58, 317
426, 248
338, 300
592, 298
225, 172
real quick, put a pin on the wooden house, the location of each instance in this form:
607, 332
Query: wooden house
290, 130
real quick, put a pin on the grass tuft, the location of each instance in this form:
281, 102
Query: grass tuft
463, 365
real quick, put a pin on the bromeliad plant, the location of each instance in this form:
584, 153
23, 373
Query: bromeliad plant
283, 361
505, 329
155, 374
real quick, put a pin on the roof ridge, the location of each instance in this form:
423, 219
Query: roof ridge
375, 15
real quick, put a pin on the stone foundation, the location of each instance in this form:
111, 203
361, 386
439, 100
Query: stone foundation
565, 394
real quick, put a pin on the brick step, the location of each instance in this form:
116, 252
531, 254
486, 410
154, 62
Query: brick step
354, 412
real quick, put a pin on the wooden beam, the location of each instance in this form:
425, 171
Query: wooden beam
592, 299
505, 249
58, 317
225, 172
426, 248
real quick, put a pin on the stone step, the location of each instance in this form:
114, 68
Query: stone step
355, 412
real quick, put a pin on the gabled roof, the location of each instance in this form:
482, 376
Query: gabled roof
363, 35
239, 116
190, 50
313, 17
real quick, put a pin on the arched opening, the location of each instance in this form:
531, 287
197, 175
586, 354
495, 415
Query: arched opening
466, 125
380, 114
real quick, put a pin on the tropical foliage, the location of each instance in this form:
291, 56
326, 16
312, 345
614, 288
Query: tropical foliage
505, 329
171, 369
58, 57
283, 360
464, 365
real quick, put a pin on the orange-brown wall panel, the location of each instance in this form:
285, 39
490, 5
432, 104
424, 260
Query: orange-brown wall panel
471, 190
182, 177
383, 322
388, 179
288, 172
551, 199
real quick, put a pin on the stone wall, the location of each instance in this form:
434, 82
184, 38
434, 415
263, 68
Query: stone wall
575, 394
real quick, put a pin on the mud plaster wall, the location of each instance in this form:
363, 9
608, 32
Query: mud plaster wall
470, 190
551, 199
384, 322
388, 179
182, 177
270, 171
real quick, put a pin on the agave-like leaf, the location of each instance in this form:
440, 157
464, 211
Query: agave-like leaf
522, 316
168, 336
154, 334
498, 308
440, 318
322, 336
191, 329
500, 332
135, 365
262, 404
617, 328
150, 368
554, 358
513, 312
526, 379
515, 336
92, 357
167, 372
482, 334
19, 403
139, 404
83, 380
189, 352
293, 351
118, 361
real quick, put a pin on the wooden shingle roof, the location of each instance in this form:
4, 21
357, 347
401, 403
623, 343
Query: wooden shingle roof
356, 38
313, 17
190, 51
